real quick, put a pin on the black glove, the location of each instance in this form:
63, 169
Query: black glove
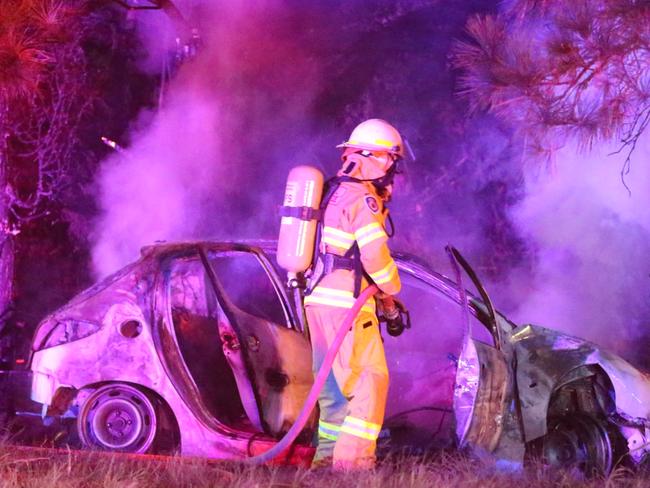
395, 315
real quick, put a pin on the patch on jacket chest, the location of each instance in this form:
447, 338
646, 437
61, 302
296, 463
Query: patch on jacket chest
372, 204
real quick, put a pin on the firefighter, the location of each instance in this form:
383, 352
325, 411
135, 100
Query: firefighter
353, 252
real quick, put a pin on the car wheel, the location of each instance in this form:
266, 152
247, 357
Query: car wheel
578, 441
118, 417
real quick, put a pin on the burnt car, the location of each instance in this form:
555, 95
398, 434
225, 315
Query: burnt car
200, 348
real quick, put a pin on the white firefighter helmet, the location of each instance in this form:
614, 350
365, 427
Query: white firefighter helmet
375, 135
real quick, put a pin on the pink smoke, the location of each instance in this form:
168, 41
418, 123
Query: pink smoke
204, 166
213, 164
591, 241
154, 191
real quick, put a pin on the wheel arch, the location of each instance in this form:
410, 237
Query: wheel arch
540, 390
596, 392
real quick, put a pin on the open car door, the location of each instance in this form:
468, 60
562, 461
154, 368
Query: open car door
485, 394
272, 363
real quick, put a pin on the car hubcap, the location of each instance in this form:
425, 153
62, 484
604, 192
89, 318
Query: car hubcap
119, 418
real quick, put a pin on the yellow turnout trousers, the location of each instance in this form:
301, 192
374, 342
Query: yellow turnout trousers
353, 399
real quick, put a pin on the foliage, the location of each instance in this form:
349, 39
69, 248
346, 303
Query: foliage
558, 69
68, 76
52, 85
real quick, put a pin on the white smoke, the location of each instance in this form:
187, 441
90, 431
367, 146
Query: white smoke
591, 240
233, 121
239, 116
155, 190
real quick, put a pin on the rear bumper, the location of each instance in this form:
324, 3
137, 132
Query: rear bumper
43, 387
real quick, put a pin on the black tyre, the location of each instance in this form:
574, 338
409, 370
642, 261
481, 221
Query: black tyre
576, 441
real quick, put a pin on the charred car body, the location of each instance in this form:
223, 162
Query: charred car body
198, 348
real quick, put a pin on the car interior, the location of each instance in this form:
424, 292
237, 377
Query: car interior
252, 372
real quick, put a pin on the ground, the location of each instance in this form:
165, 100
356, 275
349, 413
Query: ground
42, 468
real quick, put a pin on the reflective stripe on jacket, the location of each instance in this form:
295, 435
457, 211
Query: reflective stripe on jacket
355, 213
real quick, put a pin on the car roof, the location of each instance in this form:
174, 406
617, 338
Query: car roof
412, 264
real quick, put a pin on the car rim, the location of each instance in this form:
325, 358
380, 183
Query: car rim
118, 418
579, 441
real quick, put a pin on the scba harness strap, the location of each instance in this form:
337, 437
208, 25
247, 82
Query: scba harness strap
326, 263
302, 213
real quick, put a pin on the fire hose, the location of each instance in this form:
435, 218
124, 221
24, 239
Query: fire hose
319, 382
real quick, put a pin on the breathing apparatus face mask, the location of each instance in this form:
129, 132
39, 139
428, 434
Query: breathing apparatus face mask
384, 184
389, 177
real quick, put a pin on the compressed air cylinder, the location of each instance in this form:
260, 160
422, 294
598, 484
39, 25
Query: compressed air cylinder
304, 191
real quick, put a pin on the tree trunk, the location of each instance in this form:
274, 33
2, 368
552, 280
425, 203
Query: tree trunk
6, 237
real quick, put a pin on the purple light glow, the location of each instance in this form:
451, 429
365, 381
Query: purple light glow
591, 241
195, 171
213, 164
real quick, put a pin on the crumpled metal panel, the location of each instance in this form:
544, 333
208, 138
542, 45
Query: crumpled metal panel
466, 390
546, 356
108, 356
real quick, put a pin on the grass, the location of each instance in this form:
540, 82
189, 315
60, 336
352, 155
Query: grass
40, 468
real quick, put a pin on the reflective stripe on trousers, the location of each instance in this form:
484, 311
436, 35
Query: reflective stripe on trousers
351, 425
328, 431
360, 428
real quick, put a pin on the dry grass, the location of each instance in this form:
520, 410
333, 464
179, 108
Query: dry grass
44, 469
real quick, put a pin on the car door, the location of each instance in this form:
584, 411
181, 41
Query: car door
486, 406
276, 357
423, 361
